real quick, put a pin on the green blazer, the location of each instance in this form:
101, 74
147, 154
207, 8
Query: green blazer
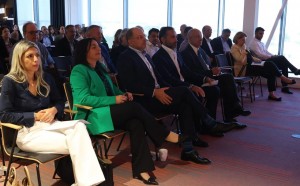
88, 89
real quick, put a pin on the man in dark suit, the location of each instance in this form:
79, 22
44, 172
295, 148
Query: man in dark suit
206, 43
139, 76
223, 43
95, 31
66, 46
180, 36
196, 60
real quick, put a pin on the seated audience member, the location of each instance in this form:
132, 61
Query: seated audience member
46, 40
30, 33
77, 30
16, 34
95, 31
138, 75
223, 43
6, 47
116, 41
116, 51
197, 61
152, 44
67, 45
52, 34
82, 33
30, 98
61, 33
206, 43
92, 86
185, 42
180, 37
246, 64
259, 50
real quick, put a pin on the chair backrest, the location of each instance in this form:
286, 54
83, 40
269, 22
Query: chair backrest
223, 63
63, 65
9, 136
69, 96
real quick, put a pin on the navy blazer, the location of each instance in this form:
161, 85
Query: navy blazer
135, 76
217, 45
193, 62
106, 56
205, 47
62, 47
168, 70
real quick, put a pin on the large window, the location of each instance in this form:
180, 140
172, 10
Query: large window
234, 15
25, 12
292, 35
266, 20
44, 13
196, 14
148, 14
109, 15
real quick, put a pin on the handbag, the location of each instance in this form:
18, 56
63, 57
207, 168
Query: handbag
27, 180
12, 177
107, 169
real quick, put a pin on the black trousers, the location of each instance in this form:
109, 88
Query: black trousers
212, 94
283, 64
132, 117
229, 94
268, 71
193, 116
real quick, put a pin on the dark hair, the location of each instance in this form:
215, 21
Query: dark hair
259, 29
69, 26
187, 29
226, 30
163, 31
2, 28
153, 30
25, 26
129, 33
82, 48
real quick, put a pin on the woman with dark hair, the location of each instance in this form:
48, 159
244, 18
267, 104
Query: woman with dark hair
30, 98
112, 108
6, 47
246, 64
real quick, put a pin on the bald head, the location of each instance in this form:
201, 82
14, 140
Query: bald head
195, 37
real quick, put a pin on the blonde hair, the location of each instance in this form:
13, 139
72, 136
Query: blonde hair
17, 71
238, 36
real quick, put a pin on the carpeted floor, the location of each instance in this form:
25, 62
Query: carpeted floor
263, 154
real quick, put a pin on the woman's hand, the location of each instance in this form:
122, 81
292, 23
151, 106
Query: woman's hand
129, 96
121, 99
46, 115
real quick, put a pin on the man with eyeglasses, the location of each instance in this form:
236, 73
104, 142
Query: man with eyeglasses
30, 33
259, 50
223, 43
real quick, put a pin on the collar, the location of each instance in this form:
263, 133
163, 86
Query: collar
136, 50
194, 48
169, 50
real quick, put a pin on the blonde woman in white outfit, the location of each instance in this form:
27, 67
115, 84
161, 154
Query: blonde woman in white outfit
30, 98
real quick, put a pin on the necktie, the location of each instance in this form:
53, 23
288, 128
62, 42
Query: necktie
202, 62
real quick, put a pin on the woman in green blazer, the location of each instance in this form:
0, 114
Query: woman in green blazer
112, 108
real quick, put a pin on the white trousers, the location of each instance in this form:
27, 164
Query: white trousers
67, 137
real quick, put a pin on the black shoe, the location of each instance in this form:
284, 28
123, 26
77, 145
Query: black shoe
222, 127
150, 181
297, 72
199, 143
230, 120
239, 125
286, 90
274, 99
194, 157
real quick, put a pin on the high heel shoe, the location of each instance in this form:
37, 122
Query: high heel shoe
150, 181
274, 98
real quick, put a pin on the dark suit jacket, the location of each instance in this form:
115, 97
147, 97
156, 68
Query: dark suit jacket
106, 56
193, 62
205, 47
217, 45
135, 76
167, 69
62, 47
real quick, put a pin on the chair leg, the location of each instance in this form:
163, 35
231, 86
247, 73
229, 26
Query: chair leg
11, 157
105, 151
38, 174
250, 92
121, 141
261, 91
242, 99
222, 107
109, 145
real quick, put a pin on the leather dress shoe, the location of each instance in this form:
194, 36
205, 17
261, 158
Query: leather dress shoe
150, 181
239, 125
230, 120
274, 98
199, 143
222, 127
241, 112
194, 157
286, 90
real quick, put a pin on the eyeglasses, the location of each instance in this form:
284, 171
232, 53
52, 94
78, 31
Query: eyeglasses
33, 32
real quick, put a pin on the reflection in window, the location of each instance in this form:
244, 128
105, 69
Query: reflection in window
196, 14
266, 19
292, 35
108, 15
148, 14
233, 18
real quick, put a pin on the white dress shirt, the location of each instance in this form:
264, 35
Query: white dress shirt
259, 49
151, 49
